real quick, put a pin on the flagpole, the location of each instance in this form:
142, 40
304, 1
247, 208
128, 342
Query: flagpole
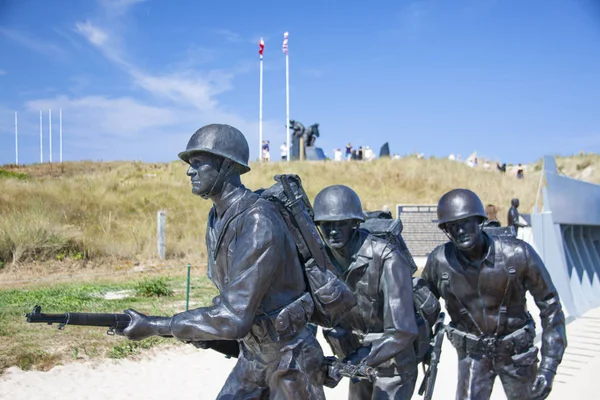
60, 132
260, 101
16, 141
50, 132
287, 93
41, 140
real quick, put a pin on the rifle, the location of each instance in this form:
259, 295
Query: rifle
111, 321
436, 350
338, 369
230, 348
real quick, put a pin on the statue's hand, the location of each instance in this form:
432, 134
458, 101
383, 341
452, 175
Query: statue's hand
358, 356
542, 385
332, 374
143, 326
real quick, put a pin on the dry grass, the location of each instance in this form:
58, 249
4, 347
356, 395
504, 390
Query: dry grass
106, 212
102, 217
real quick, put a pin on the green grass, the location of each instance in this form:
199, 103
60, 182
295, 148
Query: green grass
40, 346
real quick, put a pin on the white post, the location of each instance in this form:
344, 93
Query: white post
50, 131
16, 141
41, 140
60, 132
260, 103
287, 93
160, 233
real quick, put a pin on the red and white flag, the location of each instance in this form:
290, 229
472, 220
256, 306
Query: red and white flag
261, 47
285, 43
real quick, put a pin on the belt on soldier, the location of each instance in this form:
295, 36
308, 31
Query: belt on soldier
514, 343
279, 325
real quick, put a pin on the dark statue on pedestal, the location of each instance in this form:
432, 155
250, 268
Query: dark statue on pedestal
309, 136
483, 280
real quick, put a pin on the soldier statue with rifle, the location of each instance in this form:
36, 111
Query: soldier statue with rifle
483, 280
263, 302
379, 332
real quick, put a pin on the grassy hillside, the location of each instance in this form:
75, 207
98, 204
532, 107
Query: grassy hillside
102, 212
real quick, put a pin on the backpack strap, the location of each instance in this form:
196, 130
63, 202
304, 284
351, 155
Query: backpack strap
512, 276
445, 283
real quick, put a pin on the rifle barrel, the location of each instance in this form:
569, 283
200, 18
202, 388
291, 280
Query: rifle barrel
119, 321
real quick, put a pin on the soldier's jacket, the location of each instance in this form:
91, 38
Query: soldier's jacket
252, 260
380, 278
481, 290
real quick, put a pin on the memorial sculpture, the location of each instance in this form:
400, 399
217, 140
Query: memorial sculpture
380, 331
309, 136
483, 280
266, 258
263, 302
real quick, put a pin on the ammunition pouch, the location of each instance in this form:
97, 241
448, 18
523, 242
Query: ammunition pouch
518, 342
342, 341
283, 324
332, 297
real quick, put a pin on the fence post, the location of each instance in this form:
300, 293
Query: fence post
187, 292
160, 233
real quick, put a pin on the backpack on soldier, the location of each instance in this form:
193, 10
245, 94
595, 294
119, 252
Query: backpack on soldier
331, 296
381, 224
427, 308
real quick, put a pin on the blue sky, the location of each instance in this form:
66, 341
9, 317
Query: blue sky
511, 79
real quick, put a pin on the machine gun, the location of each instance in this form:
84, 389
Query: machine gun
436, 350
230, 348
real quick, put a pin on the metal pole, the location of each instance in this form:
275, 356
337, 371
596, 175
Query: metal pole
187, 291
160, 233
287, 94
41, 140
16, 140
60, 133
50, 131
260, 104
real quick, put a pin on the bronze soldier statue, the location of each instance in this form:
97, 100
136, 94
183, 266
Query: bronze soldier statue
513, 215
483, 280
380, 331
263, 301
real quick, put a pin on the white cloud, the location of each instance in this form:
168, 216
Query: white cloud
33, 43
120, 116
124, 128
181, 100
96, 36
3, 72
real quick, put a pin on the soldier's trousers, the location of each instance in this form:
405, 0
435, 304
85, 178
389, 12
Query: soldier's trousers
277, 371
384, 388
476, 375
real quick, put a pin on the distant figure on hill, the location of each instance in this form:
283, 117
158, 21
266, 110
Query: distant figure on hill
520, 173
348, 152
337, 155
284, 152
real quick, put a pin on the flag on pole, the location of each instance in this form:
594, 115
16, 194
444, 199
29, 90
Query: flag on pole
261, 47
285, 43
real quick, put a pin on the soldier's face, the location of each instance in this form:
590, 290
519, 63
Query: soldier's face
465, 232
337, 234
203, 173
